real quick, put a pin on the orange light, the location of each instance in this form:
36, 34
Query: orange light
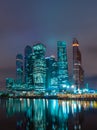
75, 44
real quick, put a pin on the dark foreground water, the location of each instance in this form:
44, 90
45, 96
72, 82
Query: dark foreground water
43, 114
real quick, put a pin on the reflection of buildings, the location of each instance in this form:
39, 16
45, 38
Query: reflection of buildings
78, 73
39, 114
56, 108
19, 68
62, 63
48, 114
27, 52
39, 67
17, 106
51, 73
56, 115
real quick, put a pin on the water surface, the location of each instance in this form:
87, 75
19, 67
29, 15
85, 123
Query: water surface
43, 114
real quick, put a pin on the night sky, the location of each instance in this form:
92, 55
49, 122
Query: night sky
24, 22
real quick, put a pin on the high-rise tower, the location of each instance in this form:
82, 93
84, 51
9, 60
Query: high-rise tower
39, 67
19, 68
62, 64
51, 73
31, 59
78, 73
27, 52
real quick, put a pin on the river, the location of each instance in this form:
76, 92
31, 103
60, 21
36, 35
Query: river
47, 114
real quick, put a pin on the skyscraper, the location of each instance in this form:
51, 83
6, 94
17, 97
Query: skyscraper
39, 67
27, 52
19, 68
78, 73
51, 73
31, 59
62, 64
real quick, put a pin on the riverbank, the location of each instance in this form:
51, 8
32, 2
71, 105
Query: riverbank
87, 97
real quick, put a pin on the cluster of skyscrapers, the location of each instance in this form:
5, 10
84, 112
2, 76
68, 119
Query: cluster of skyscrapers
43, 73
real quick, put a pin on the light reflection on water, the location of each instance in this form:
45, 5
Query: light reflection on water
43, 114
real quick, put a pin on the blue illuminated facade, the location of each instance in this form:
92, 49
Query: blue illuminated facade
19, 69
45, 73
62, 64
39, 67
48, 74
9, 83
31, 59
51, 73
27, 52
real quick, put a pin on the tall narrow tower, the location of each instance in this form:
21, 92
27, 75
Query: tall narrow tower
51, 73
39, 67
78, 73
62, 64
27, 52
19, 68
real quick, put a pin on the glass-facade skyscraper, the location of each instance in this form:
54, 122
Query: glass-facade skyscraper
51, 73
27, 52
39, 67
19, 68
62, 64
46, 73
31, 59
78, 73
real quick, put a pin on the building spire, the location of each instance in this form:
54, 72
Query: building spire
75, 42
